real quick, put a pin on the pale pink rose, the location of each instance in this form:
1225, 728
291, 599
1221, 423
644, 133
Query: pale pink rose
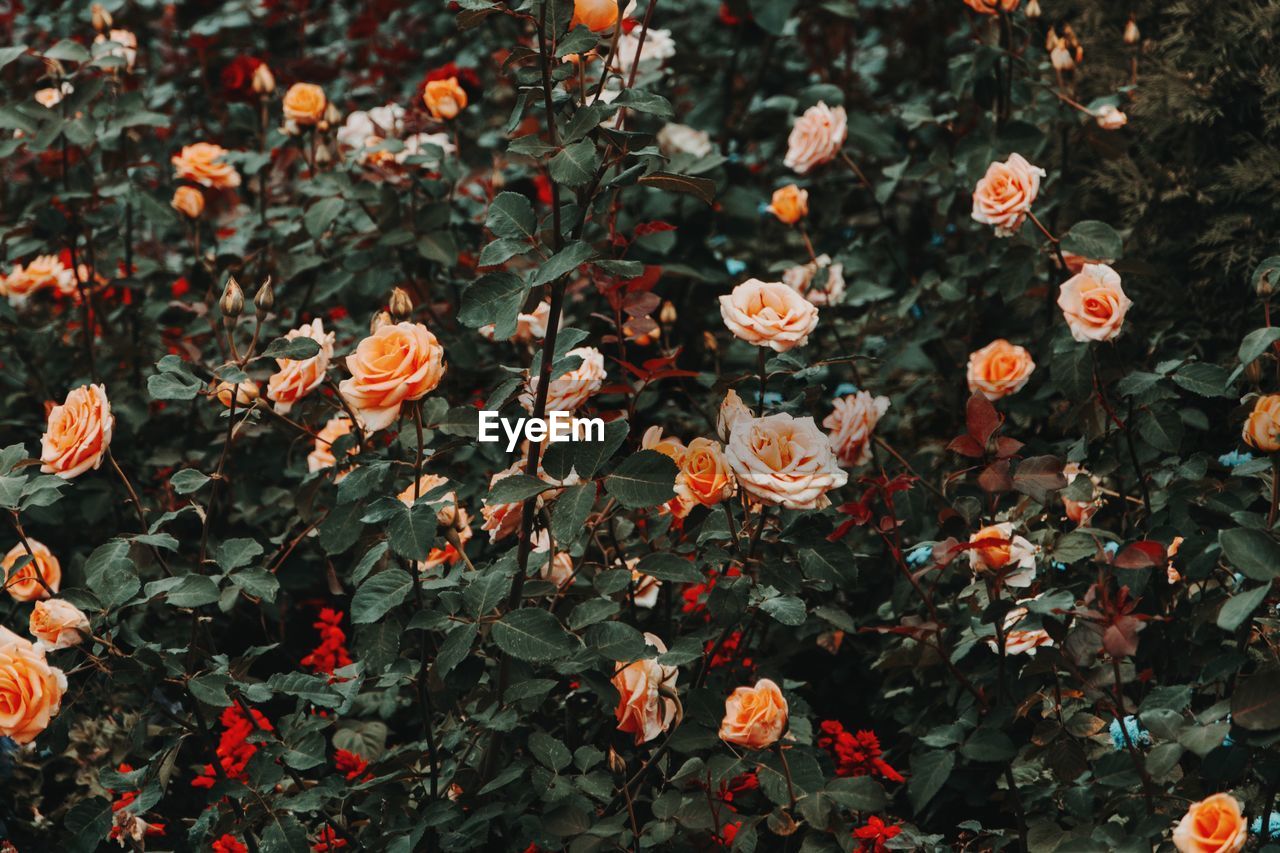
321, 456
816, 138
296, 379
571, 390
998, 550
78, 433
1004, 196
820, 281
1110, 118
1094, 304
396, 364
999, 369
784, 461
768, 314
755, 717
57, 624
1020, 641
850, 424
732, 410
642, 709
529, 327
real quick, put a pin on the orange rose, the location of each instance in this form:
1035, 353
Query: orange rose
595, 15
1213, 825
1262, 427
816, 137
304, 103
202, 164
996, 548
642, 709
321, 456
188, 201
296, 379
1094, 304
43, 271
669, 446
1020, 641
30, 690
790, 204
444, 98
768, 314
1005, 194
398, 363
754, 717
784, 461
999, 369
78, 433
989, 7
57, 624
24, 583
704, 475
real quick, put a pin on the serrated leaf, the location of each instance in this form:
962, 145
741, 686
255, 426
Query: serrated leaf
575, 164
320, 215
511, 216
643, 479
1255, 554
532, 634
377, 595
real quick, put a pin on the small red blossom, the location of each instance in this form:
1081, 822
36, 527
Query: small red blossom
873, 834
328, 840
234, 749
331, 653
228, 843
855, 754
351, 765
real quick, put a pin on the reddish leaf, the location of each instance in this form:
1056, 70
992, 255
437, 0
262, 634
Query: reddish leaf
995, 477
1007, 447
981, 419
1141, 555
1038, 477
965, 446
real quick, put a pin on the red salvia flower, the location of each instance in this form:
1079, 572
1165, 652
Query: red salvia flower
332, 652
855, 754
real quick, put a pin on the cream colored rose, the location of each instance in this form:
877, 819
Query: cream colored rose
644, 588
119, 43
816, 138
996, 549
1110, 118
755, 717
1005, 194
670, 446
807, 280
304, 103
447, 514
78, 433
732, 411
999, 369
571, 390
1020, 641
245, 393
849, 426
30, 690
768, 314
642, 709
682, 139
57, 624
595, 15
784, 461
296, 379
321, 456
202, 163
1215, 824
25, 583
1094, 304
398, 363
1262, 427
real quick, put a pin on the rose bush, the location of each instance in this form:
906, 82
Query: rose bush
936, 503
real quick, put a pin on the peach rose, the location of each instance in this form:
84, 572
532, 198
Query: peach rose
816, 138
399, 362
448, 554
790, 204
296, 379
444, 99
999, 369
43, 271
447, 514
732, 411
644, 588
202, 164
571, 390
125, 45
1094, 304
502, 520
23, 584
1020, 641
188, 201
1213, 825
321, 456
595, 15
30, 690
1110, 118
784, 461
642, 709
1262, 427
989, 7
704, 475
802, 279
245, 392
1081, 511
670, 446
557, 569
304, 103
78, 433
57, 624
850, 424
997, 549
768, 314
754, 717
1005, 194
529, 327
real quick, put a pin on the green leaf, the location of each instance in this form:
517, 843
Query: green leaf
515, 488
701, 188
667, 566
772, 15
1161, 427
110, 574
502, 250
486, 590
1094, 240
563, 262
1207, 380
588, 456
786, 609
377, 595
1257, 342
234, 553
645, 102
297, 349
187, 480
858, 793
550, 752
643, 479
570, 512
533, 634
575, 164
9, 54
455, 648
186, 590
68, 51
1253, 552
1255, 705
511, 216
174, 381
496, 298
412, 530
616, 641
1239, 607
321, 215
929, 772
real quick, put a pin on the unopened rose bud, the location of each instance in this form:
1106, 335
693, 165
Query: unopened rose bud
382, 318
265, 298
246, 392
264, 82
101, 17
332, 114
667, 315
1061, 57
1253, 371
1131, 33
709, 341
400, 305
232, 302
617, 763
1033, 10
